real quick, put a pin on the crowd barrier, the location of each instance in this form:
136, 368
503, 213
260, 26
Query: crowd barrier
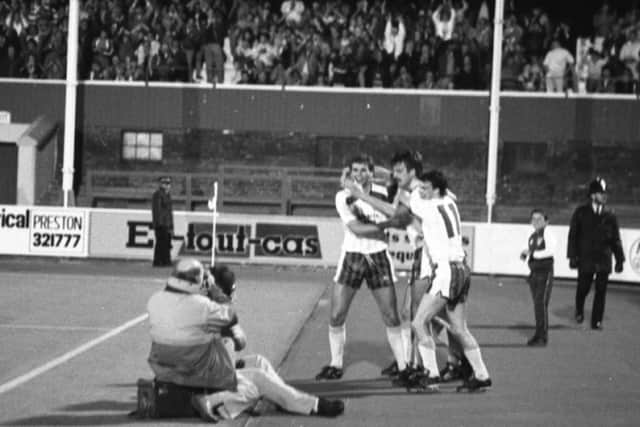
260, 239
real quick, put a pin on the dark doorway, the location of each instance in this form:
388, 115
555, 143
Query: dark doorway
8, 173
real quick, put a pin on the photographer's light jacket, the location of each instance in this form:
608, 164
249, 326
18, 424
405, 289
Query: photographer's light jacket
186, 345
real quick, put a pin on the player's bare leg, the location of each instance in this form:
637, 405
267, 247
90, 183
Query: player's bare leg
386, 299
341, 298
418, 290
457, 366
429, 306
405, 330
458, 327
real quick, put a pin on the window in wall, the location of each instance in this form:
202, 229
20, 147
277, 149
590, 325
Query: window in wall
142, 146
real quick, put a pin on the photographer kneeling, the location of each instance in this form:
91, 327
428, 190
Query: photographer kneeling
188, 319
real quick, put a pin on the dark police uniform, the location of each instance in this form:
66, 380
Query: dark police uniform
593, 238
162, 212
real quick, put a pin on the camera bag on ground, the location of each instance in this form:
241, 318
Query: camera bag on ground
159, 399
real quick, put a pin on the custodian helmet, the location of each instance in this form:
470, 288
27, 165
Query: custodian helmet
598, 185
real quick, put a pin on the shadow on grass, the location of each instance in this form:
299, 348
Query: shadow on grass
350, 388
90, 420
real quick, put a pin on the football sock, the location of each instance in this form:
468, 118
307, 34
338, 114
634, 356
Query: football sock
475, 360
427, 351
405, 330
337, 338
394, 336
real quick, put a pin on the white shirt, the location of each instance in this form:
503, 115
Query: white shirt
394, 44
440, 227
414, 230
292, 10
548, 243
444, 29
185, 319
556, 61
353, 243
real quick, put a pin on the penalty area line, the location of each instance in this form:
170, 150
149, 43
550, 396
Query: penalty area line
70, 355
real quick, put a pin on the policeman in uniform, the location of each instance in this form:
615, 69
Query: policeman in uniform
162, 213
594, 236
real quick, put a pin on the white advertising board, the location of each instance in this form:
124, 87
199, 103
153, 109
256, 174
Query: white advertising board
241, 238
43, 230
498, 248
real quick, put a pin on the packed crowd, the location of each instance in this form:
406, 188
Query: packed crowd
442, 44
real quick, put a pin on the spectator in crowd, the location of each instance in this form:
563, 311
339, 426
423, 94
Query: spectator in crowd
213, 40
606, 83
271, 38
292, 11
556, 63
603, 20
444, 19
394, 35
630, 53
532, 76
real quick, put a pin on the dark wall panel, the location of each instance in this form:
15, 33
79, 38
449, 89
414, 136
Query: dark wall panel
523, 119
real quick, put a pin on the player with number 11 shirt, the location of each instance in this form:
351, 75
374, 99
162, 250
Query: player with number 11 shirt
450, 285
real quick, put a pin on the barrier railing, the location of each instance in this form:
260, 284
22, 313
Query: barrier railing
280, 190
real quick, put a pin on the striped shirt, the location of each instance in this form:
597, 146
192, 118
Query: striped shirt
357, 210
440, 226
414, 230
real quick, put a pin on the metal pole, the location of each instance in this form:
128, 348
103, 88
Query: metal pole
70, 103
213, 205
494, 109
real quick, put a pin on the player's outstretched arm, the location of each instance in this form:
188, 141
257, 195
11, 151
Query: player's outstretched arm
401, 218
368, 231
386, 208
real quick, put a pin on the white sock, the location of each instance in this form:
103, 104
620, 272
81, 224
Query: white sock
428, 355
394, 336
405, 330
337, 338
422, 349
475, 360
315, 407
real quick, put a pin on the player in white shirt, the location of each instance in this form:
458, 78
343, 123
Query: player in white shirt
364, 257
450, 285
406, 167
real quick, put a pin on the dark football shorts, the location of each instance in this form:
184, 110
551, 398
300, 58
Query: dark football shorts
416, 266
375, 268
460, 283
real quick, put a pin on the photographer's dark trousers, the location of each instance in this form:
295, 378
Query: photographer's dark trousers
162, 249
540, 283
585, 278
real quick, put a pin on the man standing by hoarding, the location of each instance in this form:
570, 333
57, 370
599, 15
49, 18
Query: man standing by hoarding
539, 254
594, 236
162, 214
364, 256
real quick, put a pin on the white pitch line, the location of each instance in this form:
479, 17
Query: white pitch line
69, 355
52, 327
84, 276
